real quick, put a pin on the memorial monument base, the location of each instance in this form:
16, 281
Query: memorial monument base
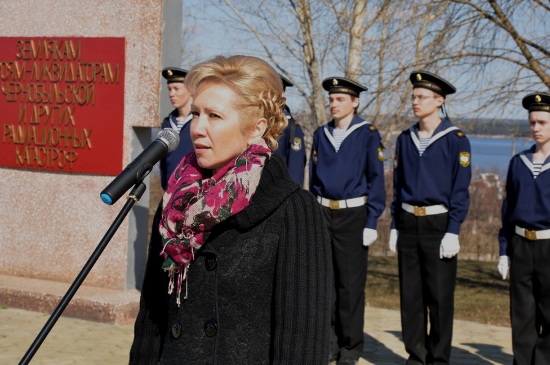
89, 303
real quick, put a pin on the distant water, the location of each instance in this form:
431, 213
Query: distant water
494, 154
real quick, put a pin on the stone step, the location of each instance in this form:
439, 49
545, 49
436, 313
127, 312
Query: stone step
89, 303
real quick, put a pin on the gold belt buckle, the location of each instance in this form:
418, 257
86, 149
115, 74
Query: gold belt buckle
333, 204
531, 235
420, 211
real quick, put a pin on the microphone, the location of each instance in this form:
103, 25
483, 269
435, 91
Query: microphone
167, 140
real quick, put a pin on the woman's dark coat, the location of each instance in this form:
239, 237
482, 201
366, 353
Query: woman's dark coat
258, 292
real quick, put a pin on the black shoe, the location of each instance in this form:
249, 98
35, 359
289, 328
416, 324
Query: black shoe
346, 361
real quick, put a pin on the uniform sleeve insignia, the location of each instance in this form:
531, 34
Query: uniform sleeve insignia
314, 157
460, 134
381, 154
372, 128
464, 159
296, 145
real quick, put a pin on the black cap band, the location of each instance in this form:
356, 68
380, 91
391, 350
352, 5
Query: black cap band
537, 102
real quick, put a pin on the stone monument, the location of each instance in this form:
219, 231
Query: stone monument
80, 92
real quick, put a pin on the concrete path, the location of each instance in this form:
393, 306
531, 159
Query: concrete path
473, 343
75, 341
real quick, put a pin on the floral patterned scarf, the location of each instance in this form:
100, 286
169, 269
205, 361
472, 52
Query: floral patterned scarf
195, 202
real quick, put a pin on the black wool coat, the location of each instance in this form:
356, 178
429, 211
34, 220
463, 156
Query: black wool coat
259, 290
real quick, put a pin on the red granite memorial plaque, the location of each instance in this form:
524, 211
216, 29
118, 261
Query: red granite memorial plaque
62, 104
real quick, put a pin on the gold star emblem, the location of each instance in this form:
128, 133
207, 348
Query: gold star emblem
334, 82
170, 73
418, 77
538, 99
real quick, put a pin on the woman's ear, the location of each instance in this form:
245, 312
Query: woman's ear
258, 129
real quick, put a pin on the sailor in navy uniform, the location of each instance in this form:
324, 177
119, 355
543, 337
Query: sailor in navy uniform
291, 143
525, 239
431, 177
178, 120
347, 176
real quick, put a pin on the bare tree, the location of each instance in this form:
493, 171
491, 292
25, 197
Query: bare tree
187, 54
406, 36
281, 40
504, 46
490, 50
309, 41
303, 12
356, 39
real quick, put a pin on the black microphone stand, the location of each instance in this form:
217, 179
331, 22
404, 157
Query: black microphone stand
133, 198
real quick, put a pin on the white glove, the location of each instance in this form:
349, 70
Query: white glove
503, 266
449, 246
369, 236
393, 239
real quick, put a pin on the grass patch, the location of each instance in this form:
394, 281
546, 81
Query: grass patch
480, 295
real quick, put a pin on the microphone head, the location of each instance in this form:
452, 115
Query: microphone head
169, 137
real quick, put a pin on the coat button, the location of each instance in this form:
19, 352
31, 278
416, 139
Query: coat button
211, 262
210, 328
176, 329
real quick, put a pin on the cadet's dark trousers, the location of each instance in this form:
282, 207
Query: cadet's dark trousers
350, 276
530, 300
426, 286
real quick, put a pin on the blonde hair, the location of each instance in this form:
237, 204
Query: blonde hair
258, 86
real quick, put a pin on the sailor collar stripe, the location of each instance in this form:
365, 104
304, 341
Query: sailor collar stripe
434, 138
530, 166
178, 125
348, 132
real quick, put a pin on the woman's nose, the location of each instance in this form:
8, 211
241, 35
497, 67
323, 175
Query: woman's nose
197, 125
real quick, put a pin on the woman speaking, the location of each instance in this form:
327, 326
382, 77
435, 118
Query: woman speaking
239, 267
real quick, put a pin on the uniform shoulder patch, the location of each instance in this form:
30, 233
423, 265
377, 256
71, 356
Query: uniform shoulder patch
381, 154
464, 159
372, 128
460, 134
296, 145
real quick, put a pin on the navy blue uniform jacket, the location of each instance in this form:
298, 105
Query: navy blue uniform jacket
172, 159
356, 170
440, 176
292, 148
527, 202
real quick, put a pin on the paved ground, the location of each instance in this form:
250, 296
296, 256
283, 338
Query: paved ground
74, 341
